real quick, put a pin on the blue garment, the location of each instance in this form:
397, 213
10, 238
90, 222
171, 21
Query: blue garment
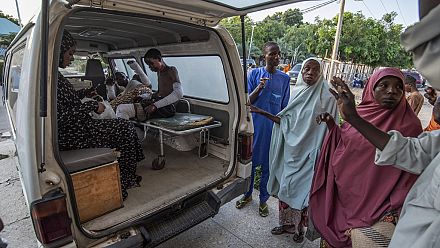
296, 141
273, 98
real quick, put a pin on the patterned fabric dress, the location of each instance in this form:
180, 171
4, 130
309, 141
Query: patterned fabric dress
77, 130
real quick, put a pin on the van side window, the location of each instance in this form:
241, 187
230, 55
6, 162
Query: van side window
202, 77
14, 78
15, 70
121, 66
76, 69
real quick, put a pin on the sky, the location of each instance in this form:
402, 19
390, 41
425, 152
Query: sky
407, 13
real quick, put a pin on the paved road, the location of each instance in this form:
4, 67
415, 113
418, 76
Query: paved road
230, 228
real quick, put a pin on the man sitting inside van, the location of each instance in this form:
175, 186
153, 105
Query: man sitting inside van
161, 103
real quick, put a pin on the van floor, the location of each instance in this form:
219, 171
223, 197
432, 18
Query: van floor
184, 172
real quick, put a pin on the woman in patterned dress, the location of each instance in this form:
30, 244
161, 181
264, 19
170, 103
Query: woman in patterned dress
77, 130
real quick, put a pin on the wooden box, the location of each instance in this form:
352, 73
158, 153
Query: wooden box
97, 191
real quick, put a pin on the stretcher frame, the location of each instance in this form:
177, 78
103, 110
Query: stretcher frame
159, 162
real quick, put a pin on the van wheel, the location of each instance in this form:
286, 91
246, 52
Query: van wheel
158, 163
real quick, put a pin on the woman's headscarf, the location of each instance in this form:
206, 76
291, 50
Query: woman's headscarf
296, 141
349, 190
66, 43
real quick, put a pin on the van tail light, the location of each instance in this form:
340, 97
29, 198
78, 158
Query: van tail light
50, 218
245, 147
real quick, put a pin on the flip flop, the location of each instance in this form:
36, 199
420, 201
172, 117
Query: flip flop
243, 202
263, 210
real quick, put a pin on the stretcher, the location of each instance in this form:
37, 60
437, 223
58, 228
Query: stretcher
180, 124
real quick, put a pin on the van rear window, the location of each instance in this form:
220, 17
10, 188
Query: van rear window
202, 77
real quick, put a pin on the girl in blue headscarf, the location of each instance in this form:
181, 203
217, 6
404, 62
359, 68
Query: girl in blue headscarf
295, 145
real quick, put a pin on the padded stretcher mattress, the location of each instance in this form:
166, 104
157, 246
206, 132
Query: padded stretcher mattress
183, 121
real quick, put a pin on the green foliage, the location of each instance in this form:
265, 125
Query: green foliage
11, 18
2, 65
292, 17
363, 40
257, 177
6, 39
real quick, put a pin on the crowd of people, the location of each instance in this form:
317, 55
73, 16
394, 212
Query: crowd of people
369, 180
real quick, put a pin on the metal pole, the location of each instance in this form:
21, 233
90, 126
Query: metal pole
18, 13
250, 43
337, 36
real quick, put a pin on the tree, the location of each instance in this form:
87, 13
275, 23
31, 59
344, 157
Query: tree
292, 17
6, 39
9, 17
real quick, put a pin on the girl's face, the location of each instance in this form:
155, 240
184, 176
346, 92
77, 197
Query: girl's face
68, 57
310, 72
388, 92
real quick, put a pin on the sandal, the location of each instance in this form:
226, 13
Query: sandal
298, 237
282, 229
243, 202
263, 210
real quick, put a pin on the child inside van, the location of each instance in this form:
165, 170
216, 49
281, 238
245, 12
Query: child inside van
77, 129
161, 103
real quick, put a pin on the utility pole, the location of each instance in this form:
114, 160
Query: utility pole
18, 13
250, 43
337, 36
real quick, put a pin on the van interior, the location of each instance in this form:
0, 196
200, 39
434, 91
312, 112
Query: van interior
105, 42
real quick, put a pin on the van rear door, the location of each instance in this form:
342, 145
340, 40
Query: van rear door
202, 12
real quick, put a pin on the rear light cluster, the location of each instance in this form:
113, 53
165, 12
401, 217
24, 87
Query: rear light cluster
245, 141
50, 218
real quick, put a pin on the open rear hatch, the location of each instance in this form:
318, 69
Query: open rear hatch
200, 12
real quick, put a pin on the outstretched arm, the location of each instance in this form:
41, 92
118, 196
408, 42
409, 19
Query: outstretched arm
346, 104
138, 70
272, 117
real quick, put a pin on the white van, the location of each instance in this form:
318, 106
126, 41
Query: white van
74, 196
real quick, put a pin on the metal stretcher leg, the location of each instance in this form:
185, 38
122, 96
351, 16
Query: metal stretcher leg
159, 162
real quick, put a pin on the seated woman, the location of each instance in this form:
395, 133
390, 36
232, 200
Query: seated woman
77, 130
295, 146
352, 199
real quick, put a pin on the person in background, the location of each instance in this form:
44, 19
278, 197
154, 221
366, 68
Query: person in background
351, 197
270, 91
109, 90
295, 145
77, 129
415, 99
434, 123
121, 79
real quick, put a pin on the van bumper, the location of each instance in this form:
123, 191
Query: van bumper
237, 188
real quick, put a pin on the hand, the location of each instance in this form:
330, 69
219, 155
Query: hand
345, 99
324, 117
101, 108
327, 118
254, 109
431, 95
262, 83
90, 92
150, 108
